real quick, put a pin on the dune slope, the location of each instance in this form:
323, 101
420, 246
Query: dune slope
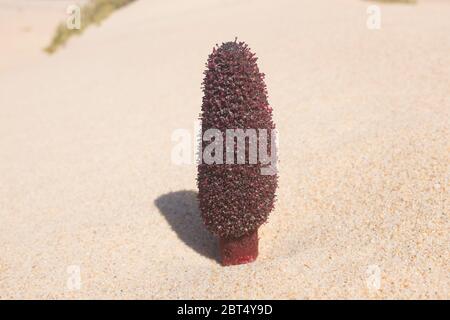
363, 117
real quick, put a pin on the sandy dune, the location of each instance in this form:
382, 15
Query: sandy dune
363, 115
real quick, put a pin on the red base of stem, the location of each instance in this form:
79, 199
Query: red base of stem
239, 250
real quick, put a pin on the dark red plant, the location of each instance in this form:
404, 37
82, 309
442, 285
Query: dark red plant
235, 199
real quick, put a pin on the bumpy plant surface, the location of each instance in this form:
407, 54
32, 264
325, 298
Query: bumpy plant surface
234, 199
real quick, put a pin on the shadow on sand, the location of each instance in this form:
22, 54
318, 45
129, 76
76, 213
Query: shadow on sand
181, 211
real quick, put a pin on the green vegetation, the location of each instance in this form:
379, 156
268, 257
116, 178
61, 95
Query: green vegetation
93, 12
397, 1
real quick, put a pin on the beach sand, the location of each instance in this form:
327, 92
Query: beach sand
91, 205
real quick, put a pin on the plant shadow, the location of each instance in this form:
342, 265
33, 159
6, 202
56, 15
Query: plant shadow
181, 211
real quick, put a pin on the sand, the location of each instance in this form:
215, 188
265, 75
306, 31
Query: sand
26, 27
91, 205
